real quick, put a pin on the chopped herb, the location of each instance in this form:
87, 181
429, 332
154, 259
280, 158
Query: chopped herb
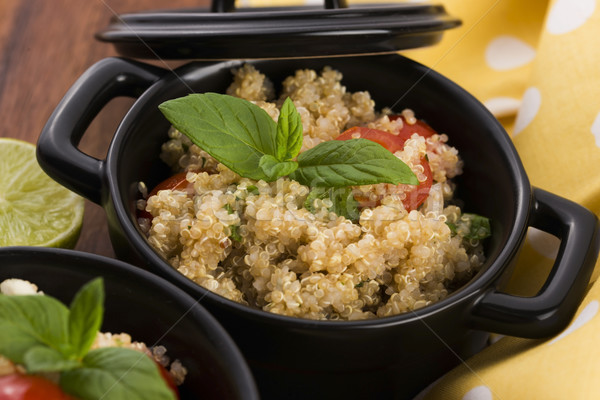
471, 226
342, 199
252, 189
235, 233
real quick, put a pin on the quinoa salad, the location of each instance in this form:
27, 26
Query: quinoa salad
284, 247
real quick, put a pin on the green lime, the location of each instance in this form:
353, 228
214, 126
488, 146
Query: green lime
34, 209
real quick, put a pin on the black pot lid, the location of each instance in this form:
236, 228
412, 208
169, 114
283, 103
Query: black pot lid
224, 32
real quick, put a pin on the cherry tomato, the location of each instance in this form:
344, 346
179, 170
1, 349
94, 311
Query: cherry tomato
420, 127
415, 195
391, 142
175, 182
29, 387
168, 379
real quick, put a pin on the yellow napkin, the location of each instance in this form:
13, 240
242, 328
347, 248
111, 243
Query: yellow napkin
536, 65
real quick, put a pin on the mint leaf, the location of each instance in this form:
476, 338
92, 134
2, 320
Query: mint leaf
343, 202
351, 162
46, 359
289, 132
234, 131
114, 373
30, 321
274, 169
85, 317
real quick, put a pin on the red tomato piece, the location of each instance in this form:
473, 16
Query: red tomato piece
29, 387
168, 379
416, 195
420, 127
391, 142
175, 182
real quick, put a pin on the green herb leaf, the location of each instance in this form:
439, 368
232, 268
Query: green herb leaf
114, 373
234, 131
30, 321
289, 132
343, 202
235, 233
479, 227
85, 317
274, 169
471, 226
46, 359
351, 162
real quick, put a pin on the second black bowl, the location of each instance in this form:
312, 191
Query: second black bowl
148, 308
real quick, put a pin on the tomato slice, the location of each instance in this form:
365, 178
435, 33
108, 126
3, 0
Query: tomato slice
391, 142
415, 195
174, 182
167, 378
420, 127
30, 387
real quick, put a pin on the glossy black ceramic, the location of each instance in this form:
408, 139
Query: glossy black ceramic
147, 307
225, 32
391, 357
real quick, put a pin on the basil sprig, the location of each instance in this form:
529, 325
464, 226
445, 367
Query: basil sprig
43, 335
242, 136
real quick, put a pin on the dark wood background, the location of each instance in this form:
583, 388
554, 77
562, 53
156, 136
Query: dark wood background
45, 45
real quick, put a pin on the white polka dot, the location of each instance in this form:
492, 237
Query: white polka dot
502, 106
583, 318
596, 129
508, 52
532, 100
543, 242
478, 393
568, 15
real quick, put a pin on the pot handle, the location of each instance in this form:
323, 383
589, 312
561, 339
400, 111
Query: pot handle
57, 151
552, 308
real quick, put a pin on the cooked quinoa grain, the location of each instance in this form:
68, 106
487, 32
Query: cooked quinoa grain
257, 243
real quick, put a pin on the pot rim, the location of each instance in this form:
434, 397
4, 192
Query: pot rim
471, 291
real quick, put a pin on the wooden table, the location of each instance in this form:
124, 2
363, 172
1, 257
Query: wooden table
45, 45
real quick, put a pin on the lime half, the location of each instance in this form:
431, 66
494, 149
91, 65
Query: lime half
34, 209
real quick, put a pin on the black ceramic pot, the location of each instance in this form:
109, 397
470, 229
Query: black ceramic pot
391, 357
147, 307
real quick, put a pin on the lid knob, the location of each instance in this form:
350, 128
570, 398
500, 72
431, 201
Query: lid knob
223, 6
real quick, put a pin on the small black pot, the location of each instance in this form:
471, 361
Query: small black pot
148, 308
297, 358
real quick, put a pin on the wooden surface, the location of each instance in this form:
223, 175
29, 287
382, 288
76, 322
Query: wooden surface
45, 45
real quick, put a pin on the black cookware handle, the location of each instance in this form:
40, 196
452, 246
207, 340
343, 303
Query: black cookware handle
57, 150
551, 310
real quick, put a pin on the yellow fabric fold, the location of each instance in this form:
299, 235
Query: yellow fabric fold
556, 130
